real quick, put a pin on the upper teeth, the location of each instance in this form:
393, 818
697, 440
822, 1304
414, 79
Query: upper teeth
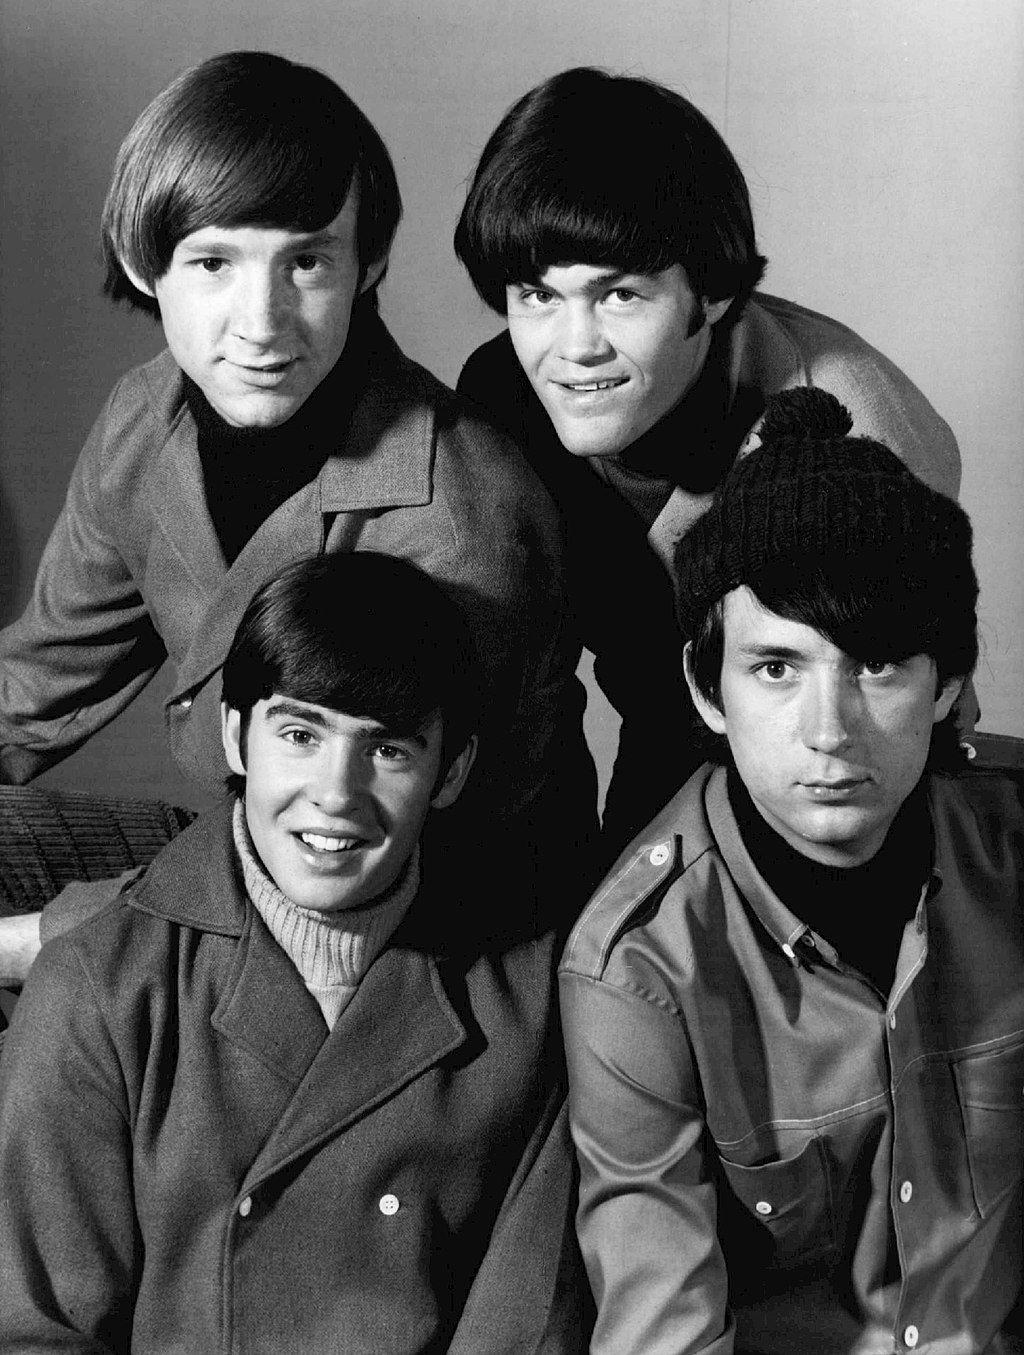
328, 844
592, 385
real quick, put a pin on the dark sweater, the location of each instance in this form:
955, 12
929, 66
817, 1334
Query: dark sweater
860, 910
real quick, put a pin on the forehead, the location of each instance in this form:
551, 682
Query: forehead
338, 235
281, 708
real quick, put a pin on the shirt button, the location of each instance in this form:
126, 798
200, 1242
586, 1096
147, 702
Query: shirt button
910, 1336
659, 856
906, 1190
184, 703
388, 1205
245, 1208
763, 1207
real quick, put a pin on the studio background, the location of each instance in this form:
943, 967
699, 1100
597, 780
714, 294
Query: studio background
882, 144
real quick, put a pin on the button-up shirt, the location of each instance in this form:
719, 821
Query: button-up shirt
774, 1157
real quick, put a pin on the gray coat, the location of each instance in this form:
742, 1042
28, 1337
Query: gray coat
190, 1162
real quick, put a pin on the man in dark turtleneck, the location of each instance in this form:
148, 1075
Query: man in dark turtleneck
794, 1014
252, 209
608, 221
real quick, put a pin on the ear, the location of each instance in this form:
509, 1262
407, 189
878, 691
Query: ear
707, 710
135, 280
946, 698
714, 310
455, 776
373, 274
231, 737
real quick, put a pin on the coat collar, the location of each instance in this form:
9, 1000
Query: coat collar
761, 357
383, 459
400, 1022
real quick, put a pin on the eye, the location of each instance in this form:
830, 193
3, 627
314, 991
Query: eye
211, 264
536, 296
775, 670
298, 736
623, 295
391, 752
306, 263
878, 668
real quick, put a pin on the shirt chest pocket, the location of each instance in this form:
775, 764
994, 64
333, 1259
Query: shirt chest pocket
780, 1214
990, 1088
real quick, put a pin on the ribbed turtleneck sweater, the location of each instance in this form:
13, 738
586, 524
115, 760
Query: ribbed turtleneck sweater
331, 951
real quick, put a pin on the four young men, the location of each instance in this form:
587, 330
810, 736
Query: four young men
319, 1025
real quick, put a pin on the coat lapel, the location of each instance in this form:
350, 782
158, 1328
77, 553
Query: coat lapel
178, 503
399, 1024
266, 1008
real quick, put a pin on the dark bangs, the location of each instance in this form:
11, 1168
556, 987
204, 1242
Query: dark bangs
363, 634
887, 608
608, 171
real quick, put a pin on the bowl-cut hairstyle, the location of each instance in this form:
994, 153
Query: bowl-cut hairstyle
364, 634
610, 171
244, 139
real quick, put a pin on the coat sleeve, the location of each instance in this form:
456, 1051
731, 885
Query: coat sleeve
85, 645
647, 1217
885, 405
69, 1242
496, 545
529, 1296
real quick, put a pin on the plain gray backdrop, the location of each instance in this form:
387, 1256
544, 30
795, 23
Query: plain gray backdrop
882, 144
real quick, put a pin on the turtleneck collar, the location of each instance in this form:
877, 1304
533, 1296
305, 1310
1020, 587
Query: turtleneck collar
331, 951
249, 472
860, 910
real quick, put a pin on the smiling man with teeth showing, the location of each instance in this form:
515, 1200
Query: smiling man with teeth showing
252, 210
299, 1086
610, 224
794, 1012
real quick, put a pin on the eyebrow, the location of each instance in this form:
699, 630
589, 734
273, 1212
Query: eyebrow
222, 244
371, 731
764, 651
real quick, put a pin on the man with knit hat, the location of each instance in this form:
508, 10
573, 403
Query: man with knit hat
794, 1013
297, 1087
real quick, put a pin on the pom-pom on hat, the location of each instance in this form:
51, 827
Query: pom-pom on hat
811, 497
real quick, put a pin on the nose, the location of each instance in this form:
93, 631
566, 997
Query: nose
581, 337
829, 713
260, 306
338, 781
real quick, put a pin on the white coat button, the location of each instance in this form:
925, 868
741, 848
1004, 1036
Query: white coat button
906, 1190
388, 1205
659, 856
184, 702
892, 1021
245, 1208
763, 1207
910, 1336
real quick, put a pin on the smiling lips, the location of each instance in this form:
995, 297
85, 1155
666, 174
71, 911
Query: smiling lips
322, 842
589, 387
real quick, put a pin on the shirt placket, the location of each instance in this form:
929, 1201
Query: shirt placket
906, 1199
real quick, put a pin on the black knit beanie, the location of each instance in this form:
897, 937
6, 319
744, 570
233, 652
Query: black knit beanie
811, 498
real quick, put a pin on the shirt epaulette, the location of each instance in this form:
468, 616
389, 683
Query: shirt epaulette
1001, 753
621, 896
